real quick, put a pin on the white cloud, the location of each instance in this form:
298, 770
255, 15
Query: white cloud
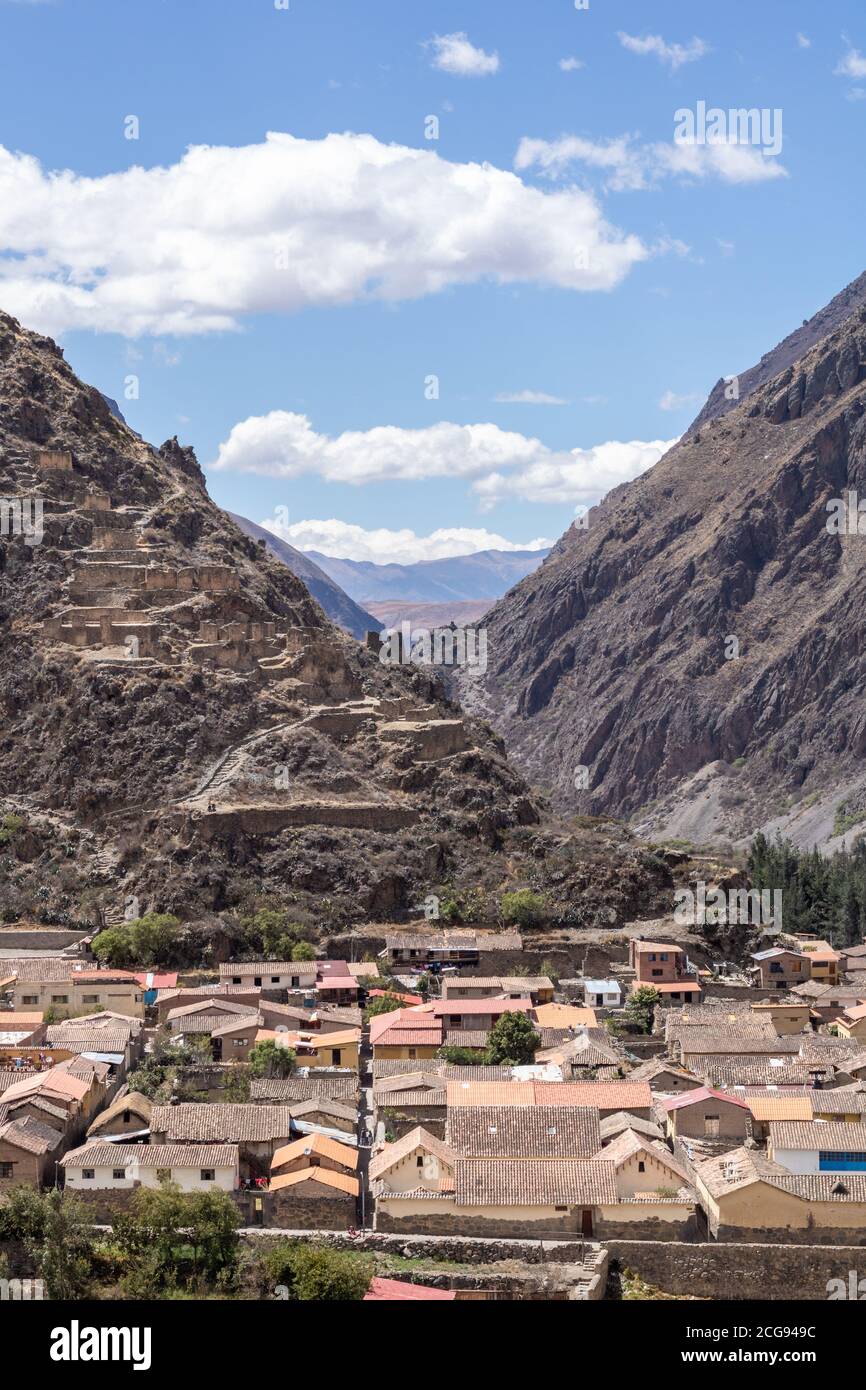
383, 547
803, 41
281, 226
580, 475
852, 65
630, 166
500, 463
674, 54
455, 54
571, 64
529, 398
671, 401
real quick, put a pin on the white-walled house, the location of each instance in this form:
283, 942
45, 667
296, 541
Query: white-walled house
100, 1167
602, 994
823, 1146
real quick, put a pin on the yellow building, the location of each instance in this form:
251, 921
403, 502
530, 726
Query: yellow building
318, 1049
743, 1192
69, 987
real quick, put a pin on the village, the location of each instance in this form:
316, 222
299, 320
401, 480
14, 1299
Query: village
438, 1092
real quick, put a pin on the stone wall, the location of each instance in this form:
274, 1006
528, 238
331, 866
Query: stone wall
738, 1271
284, 1209
38, 939
452, 1247
444, 1225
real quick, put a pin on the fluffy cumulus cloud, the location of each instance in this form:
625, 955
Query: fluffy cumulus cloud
498, 463
455, 54
852, 65
579, 476
673, 54
281, 226
383, 546
627, 165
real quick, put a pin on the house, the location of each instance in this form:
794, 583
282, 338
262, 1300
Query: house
232, 1039
21, 1030
402, 1103
852, 1023
613, 1125
694, 1046
318, 1049
779, 967
404, 1033
582, 1055
853, 958
644, 1165
659, 962
767, 1106
825, 963
127, 1117
152, 982
417, 1167
475, 1015
456, 946
271, 975
539, 1131
707, 1114
314, 1198
106, 1036
665, 1077
844, 1103
256, 1130
169, 999
314, 1151
67, 987
28, 1152
602, 994
747, 1197
79, 1096
818, 1147
120, 1168
396, 1291
335, 983
539, 988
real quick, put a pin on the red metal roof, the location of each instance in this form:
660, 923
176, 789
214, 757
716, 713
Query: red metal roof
394, 1290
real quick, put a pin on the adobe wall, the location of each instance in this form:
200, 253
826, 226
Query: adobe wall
738, 1271
39, 939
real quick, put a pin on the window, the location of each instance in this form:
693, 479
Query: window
336, 1054
560, 1208
88, 1173
419, 1162
656, 972
6, 1170
118, 1174
240, 1042
257, 979
412, 1052
90, 998
641, 1166
60, 998
126, 1117
208, 1174
296, 980
275, 979
30, 999
236, 980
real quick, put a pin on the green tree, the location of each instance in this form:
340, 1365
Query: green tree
314, 1274
64, 1250
165, 1232
145, 942
523, 908
302, 950
382, 1004
463, 1056
513, 1041
640, 1008
271, 1059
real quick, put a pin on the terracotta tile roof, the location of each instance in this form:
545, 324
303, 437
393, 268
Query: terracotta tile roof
510, 1182
90, 1041
766, 1107
221, 1008
754, 1071
395, 1291
818, 1135
604, 1095
449, 1008
322, 1105
698, 1097
318, 1144
30, 1135
539, 1131
840, 1101
416, 1080
232, 1124
52, 1081
743, 1167
96, 1155
341, 1182
612, 1125
337, 1086
461, 1037
401, 1021
304, 969
404, 1100
732, 1042
658, 1066
417, 1138
564, 1016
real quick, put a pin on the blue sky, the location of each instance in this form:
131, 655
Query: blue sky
693, 271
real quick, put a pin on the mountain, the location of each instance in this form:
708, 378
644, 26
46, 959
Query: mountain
485, 575
182, 729
339, 607
696, 657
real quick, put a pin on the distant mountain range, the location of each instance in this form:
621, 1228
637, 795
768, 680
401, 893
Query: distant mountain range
488, 574
340, 608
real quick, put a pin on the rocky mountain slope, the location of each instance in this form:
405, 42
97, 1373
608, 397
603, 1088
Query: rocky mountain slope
182, 728
696, 657
341, 609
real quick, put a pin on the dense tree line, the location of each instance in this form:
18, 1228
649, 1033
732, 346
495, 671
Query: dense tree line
820, 893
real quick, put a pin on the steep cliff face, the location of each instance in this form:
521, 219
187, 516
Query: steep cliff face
697, 653
181, 725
